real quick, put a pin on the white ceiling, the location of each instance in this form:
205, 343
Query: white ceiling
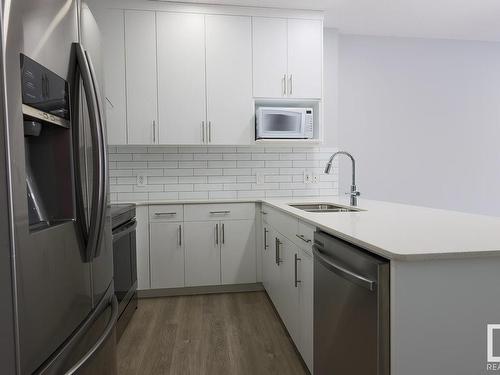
454, 19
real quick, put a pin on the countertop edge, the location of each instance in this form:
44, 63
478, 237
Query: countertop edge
346, 237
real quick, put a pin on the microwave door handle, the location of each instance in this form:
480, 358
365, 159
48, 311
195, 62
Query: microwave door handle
99, 157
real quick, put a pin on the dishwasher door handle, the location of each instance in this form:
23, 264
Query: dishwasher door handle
344, 272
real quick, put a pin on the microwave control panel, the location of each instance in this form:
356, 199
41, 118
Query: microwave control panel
309, 132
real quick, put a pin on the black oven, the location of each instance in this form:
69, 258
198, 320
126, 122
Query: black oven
124, 262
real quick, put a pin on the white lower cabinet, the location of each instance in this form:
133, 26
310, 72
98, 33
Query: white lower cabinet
202, 249
238, 263
287, 273
288, 293
167, 255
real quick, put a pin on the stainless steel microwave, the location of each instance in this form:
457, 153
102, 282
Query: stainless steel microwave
284, 123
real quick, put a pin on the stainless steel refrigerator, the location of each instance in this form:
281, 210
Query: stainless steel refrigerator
58, 308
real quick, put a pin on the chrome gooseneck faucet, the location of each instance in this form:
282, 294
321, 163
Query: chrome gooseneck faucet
354, 194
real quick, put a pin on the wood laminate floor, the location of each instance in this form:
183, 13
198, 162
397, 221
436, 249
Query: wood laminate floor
234, 333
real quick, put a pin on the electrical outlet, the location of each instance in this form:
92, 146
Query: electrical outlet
260, 178
315, 178
142, 180
307, 177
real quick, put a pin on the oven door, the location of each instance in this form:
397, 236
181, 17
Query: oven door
280, 123
125, 262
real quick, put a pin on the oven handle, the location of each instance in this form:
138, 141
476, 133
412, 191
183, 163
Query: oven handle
124, 229
344, 272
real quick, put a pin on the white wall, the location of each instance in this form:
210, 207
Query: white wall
330, 86
422, 118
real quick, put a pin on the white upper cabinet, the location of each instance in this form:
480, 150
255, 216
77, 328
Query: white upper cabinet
177, 78
111, 23
229, 79
305, 56
287, 58
269, 57
140, 57
181, 77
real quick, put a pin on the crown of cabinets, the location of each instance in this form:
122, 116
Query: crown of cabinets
188, 78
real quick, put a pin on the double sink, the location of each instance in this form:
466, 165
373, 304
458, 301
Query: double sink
323, 207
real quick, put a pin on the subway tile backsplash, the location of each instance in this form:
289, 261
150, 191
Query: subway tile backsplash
201, 172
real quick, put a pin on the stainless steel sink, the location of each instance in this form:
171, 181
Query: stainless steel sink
323, 207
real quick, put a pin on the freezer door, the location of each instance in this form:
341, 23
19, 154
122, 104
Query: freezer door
92, 349
53, 287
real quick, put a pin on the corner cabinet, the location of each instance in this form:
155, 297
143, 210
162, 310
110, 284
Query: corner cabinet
166, 231
140, 62
192, 77
287, 58
112, 24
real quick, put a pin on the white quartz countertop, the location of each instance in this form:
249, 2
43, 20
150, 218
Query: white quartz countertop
395, 231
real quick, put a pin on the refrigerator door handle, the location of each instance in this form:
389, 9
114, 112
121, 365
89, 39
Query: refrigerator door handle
103, 150
100, 341
99, 151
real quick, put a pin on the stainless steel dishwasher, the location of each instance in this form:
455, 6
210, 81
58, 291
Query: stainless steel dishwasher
351, 309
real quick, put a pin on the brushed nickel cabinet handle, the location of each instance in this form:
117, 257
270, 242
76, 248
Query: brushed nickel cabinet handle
210, 132
284, 84
278, 259
154, 131
165, 213
291, 85
223, 234
203, 132
296, 280
265, 238
217, 233
180, 235
302, 237
220, 212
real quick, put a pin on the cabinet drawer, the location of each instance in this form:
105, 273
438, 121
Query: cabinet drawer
168, 212
286, 224
222, 211
305, 236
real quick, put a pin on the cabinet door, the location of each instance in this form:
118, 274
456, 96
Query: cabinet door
305, 55
202, 251
140, 59
306, 303
229, 79
167, 255
238, 263
269, 57
289, 295
142, 243
181, 77
111, 22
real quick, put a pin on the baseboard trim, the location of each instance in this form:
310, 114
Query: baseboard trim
194, 290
